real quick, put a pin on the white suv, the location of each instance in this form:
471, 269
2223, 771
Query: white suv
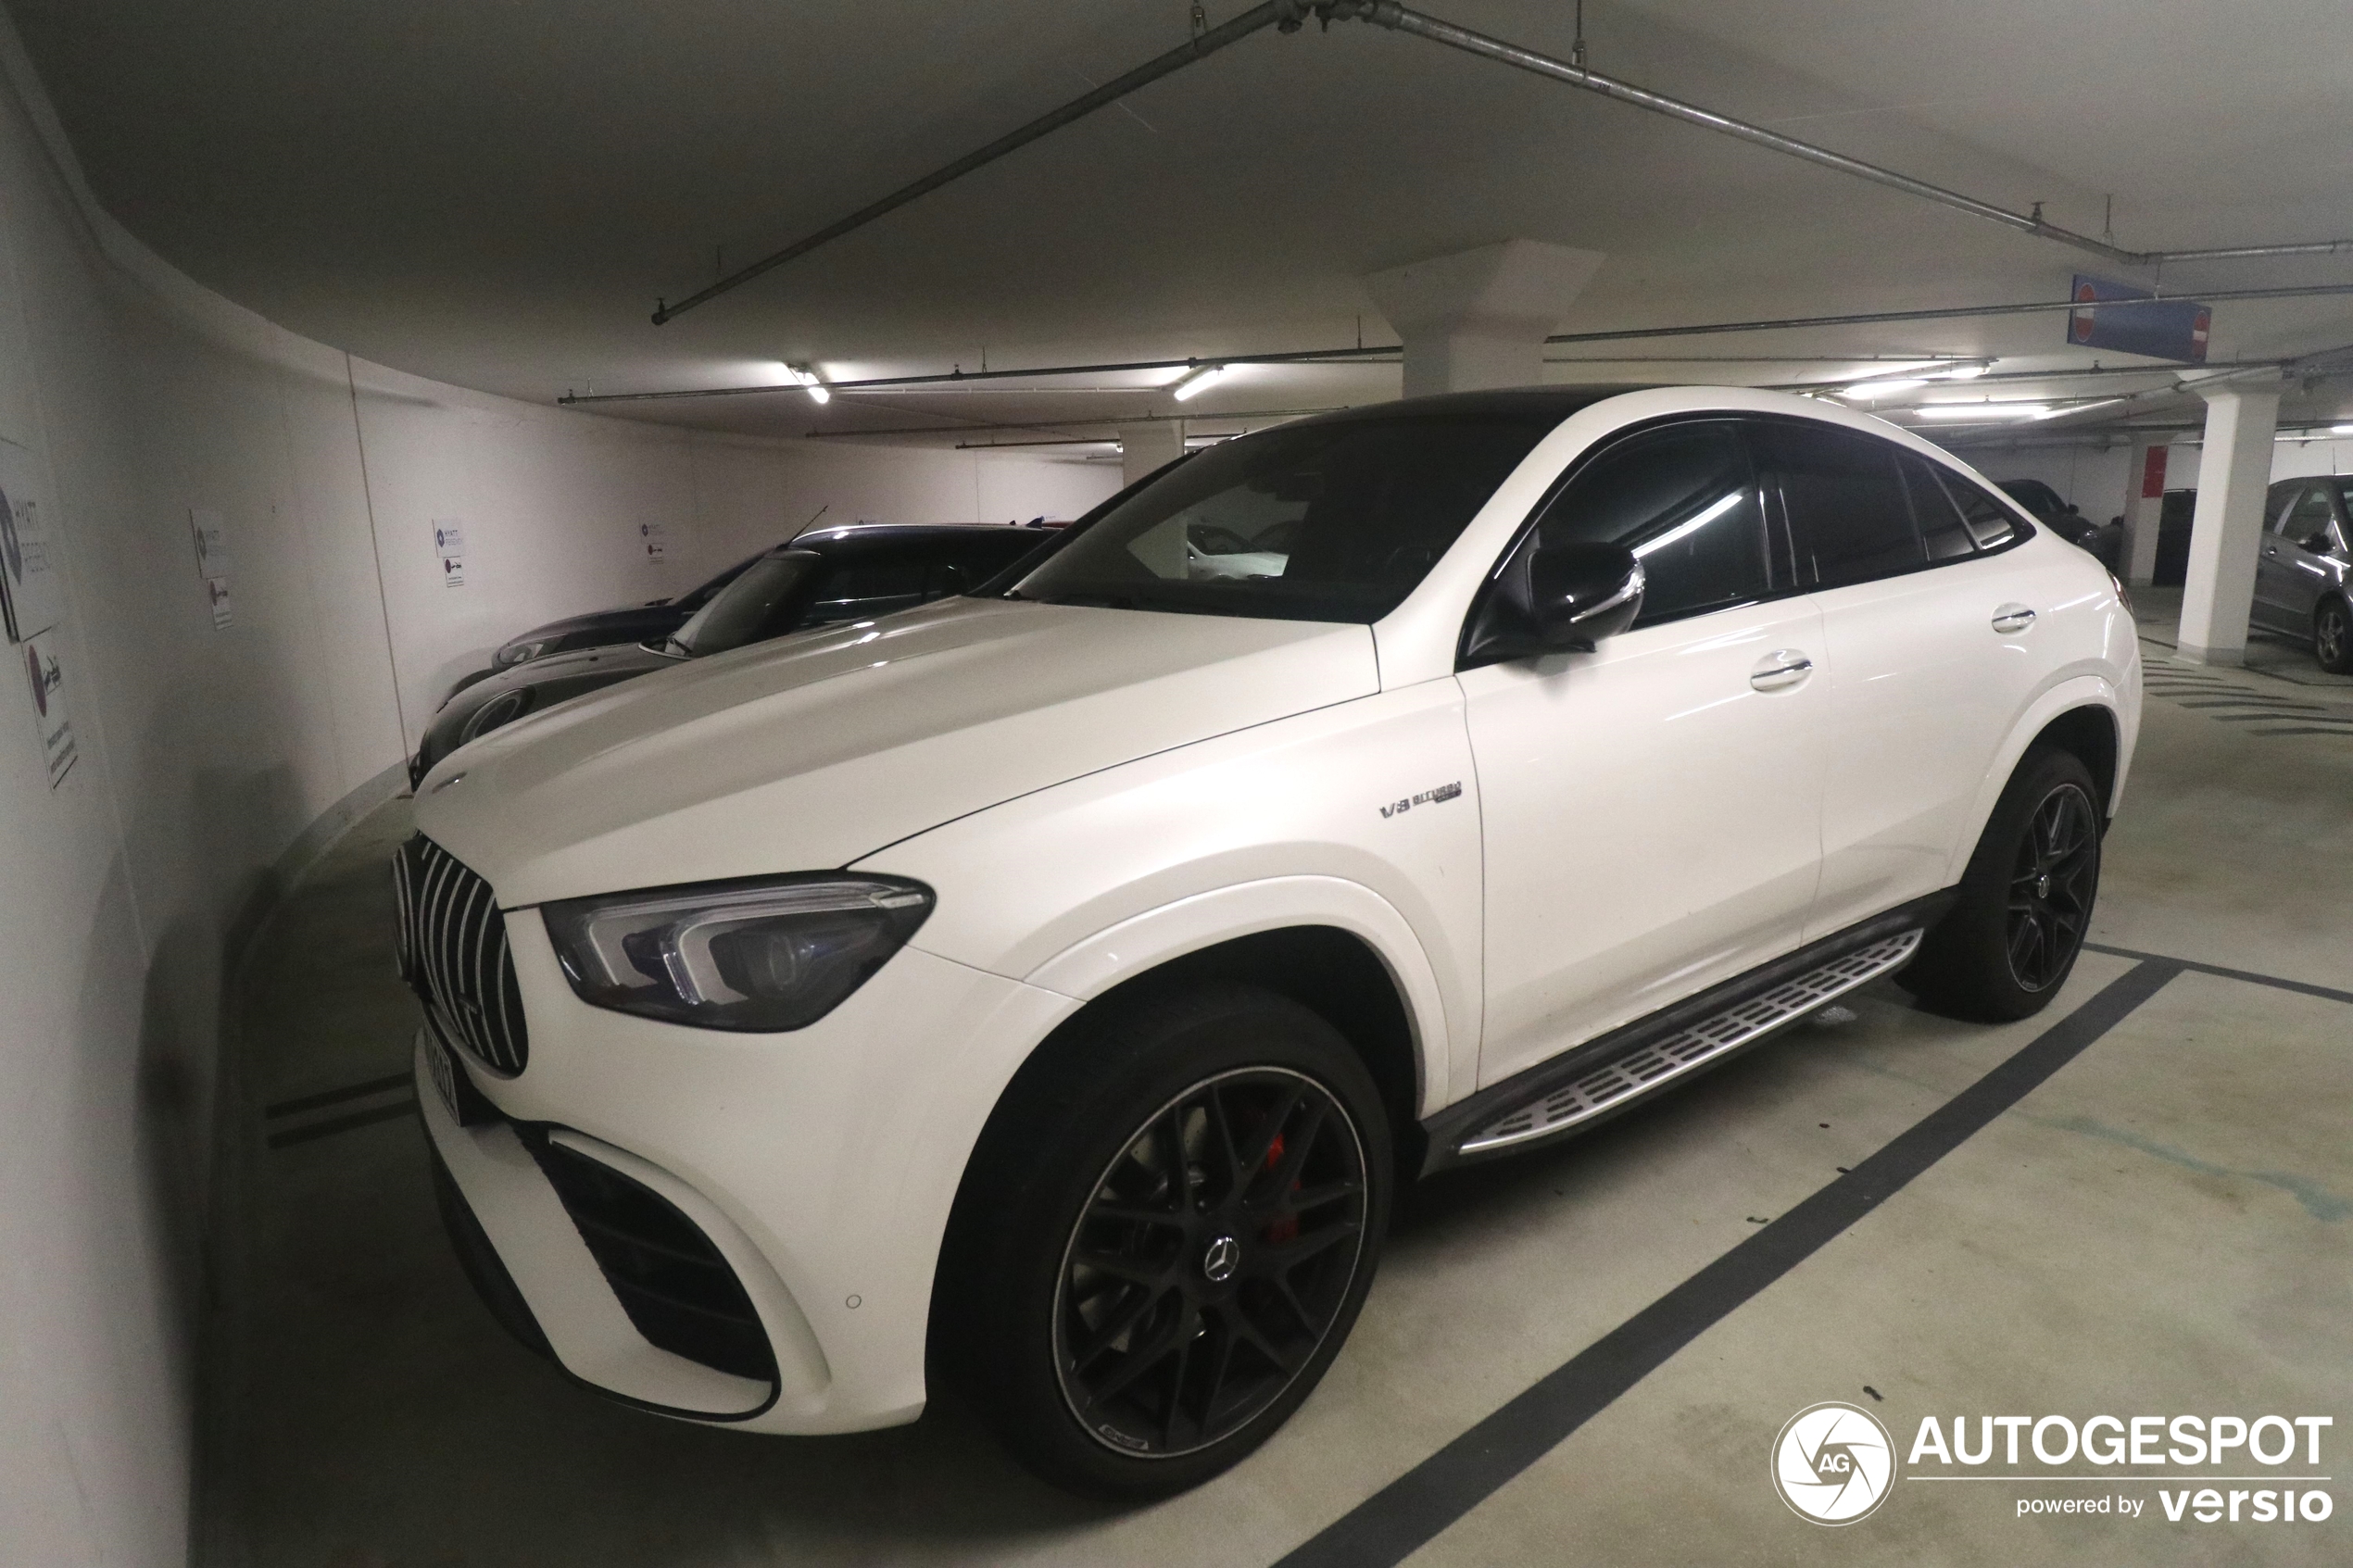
1048, 987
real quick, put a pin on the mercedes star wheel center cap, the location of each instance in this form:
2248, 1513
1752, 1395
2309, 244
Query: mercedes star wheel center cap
1223, 1256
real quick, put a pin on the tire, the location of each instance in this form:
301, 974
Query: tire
2333, 637
2008, 944
1127, 1340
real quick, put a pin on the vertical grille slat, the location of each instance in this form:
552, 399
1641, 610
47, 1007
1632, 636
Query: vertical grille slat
455, 954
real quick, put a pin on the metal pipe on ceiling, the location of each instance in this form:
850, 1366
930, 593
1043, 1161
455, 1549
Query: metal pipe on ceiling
1378, 352
1288, 15
1199, 47
1388, 14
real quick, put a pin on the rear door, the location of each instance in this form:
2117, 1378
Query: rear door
1929, 632
2290, 572
1650, 809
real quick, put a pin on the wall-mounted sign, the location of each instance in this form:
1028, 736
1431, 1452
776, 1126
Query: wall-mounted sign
32, 592
449, 544
46, 671
655, 537
211, 533
2169, 329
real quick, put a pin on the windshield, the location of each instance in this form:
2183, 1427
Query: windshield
742, 611
1329, 521
695, 598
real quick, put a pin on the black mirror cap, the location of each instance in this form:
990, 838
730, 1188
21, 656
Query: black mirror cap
1562, 598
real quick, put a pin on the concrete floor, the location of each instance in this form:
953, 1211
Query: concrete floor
2160, 1227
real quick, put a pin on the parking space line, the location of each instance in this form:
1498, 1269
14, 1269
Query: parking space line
333, 1096
343, 1124
1414, 1509
2303, 987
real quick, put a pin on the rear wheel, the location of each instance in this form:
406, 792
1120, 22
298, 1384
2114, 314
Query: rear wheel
1164, 1238
2010, 941
2333, 637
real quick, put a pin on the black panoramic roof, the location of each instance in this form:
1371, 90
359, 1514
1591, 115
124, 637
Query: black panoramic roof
852, 535
1517, 403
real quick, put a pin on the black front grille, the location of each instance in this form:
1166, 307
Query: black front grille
669, 1277
454, 954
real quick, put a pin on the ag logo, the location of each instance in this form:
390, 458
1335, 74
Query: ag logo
1833, 1464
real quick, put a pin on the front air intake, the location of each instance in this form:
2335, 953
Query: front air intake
454, 955
671, 1281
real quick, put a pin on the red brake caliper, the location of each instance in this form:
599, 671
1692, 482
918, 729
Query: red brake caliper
1282, 1227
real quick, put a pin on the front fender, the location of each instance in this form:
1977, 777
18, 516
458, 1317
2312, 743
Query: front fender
1087, 969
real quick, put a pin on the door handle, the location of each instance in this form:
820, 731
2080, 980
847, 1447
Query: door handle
1781, 670
2013, 617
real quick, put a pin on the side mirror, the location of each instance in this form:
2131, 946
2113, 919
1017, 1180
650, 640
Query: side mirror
2319, 544
1558, 599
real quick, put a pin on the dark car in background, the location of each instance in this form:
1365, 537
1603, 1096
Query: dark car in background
647, 622
2104, 540
852, 573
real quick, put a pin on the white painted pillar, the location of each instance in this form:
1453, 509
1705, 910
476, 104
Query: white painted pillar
2144, 501
1479, 318
2233, 474
1145, 448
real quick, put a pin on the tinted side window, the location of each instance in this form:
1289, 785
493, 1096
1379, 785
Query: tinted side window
1684, 499
1941, 527
875, 577
2311, 515
1848, 519
1989, 521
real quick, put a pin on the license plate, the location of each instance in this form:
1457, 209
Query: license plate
444, 1073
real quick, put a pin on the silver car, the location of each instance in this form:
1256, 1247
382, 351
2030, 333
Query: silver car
2301, 574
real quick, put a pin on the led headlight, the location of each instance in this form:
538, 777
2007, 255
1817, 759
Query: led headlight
768, 954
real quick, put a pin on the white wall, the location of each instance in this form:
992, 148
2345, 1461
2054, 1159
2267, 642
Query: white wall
205, 753
2092, 478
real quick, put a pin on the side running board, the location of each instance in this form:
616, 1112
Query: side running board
1611, 1073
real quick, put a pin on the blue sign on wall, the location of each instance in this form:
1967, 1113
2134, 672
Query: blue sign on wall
2164, 329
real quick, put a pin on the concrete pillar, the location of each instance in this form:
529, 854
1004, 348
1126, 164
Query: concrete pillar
2233, 474
2144, 501
1145, 448
1479, 318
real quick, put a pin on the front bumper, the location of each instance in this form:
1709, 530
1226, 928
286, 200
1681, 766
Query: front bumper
819, 1164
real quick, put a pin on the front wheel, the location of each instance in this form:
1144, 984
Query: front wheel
1165, 1237
2025, 906
2333, 637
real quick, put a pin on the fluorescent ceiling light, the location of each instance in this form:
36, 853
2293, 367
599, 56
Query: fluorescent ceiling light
2341, 429
1964, 372
1877, 388
811, 383
1194, 381
1982, 410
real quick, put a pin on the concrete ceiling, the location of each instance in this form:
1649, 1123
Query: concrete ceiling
494, 192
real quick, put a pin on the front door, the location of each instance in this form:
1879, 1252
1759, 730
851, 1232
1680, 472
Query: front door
1649, 809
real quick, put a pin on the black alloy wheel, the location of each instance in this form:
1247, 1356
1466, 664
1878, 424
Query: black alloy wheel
2019, 918
2054, 877
1213, 1257
2333, 637
1163, 1236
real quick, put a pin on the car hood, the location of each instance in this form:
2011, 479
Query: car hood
817, 749
554, 679
627, 624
